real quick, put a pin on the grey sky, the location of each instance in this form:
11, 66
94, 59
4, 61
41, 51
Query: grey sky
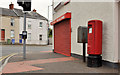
40, 5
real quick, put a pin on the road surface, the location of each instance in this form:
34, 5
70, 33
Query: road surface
9, 49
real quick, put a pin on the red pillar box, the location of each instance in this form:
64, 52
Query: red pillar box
94, 43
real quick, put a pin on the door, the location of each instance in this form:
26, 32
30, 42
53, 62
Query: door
62, 37
2, 34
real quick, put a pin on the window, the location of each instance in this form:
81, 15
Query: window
40, 24
29, 36
12, 22
29, 26
40, 37
12, 33
29, 21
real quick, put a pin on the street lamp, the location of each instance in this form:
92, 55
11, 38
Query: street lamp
49, 11
48, 23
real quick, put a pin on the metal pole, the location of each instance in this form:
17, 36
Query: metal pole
24, 44
52, 20
52, 9
84, 60
48, 22
48, 25
48, 13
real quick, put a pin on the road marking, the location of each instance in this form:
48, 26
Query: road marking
0, 57
9, 56
4, 57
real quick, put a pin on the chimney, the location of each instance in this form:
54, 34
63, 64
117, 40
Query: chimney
34, 10
11, 6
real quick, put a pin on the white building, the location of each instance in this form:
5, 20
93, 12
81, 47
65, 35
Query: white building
79, 15
36, 27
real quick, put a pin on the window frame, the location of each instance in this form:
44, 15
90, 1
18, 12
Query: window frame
40, 24
12, 35
12, 22
30, 26
40, 37
29, 37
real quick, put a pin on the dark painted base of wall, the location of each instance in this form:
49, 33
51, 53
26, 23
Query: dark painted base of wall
106, 63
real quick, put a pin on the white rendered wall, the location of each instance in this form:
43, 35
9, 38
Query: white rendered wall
101, 11
35, 31
82, 12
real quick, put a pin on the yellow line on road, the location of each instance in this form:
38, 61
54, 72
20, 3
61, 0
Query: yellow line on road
4, 57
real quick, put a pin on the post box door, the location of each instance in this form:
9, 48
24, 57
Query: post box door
91, 39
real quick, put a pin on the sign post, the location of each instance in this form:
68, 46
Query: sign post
26, 4
24, 44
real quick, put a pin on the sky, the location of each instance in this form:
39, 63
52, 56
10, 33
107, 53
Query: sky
40, 5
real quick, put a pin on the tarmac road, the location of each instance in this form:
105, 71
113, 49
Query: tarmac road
9, 49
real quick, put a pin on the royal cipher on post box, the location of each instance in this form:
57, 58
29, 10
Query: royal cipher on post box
94, 43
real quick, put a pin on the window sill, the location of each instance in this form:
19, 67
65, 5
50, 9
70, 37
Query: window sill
40, 27
12, 37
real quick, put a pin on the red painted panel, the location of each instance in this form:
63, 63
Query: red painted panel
63, 17
2, 34
62, 37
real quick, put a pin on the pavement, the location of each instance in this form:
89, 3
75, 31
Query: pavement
49, 62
